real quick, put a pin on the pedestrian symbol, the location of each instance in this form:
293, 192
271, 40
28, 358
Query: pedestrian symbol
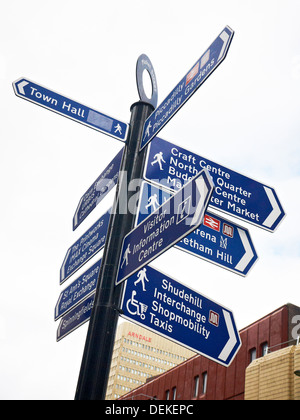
141, 277
148, 129
158, 158
118, 129
125, 258
152, 201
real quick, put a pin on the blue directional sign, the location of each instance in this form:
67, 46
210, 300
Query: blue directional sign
78, 290
26, 89
85, 247
222, 243
235, 194
75, 318
172, 221
216, 240
161, 304
188, 85
98, 190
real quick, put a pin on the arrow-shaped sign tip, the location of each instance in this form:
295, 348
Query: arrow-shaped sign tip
276, 212
225, 353
225, 37
248, 255
19, 85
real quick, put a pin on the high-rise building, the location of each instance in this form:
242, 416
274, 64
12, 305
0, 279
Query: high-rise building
140, 354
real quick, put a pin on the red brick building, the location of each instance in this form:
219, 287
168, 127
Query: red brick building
202, 379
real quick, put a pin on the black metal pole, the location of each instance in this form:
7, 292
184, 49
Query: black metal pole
95, 366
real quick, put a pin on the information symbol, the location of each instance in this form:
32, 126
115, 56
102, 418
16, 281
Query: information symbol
183, 210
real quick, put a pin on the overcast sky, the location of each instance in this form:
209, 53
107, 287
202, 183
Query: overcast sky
245, 117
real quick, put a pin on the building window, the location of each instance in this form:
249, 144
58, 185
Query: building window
264, 349
174, 393
204, 382
167, 394
196, 386
252, 354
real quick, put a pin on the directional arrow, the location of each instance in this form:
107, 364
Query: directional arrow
225, 37
229, 346
172, 221
173, 310
243, 263
203, 192
21, 86
188, 85
171, 166
75, 318
26, 89
163, 305
91, 242
78, 290
98, 190
276, 212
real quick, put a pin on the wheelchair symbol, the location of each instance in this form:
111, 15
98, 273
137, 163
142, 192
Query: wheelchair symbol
134, 307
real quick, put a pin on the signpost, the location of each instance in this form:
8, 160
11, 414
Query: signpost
172, 221
85, 247
26, 89
188, 85
79, 289
161, 304
216, 240
98, 190
235, 194
151, 298
96, 360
